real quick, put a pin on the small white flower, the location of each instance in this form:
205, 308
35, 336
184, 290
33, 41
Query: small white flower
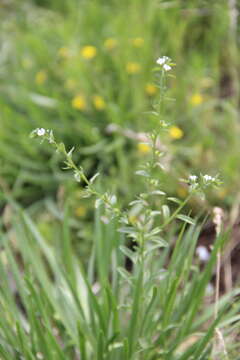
167, 67
207, 177
202, 253
192, 178
162, 60
41, 132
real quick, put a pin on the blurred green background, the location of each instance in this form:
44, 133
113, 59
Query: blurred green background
78, 67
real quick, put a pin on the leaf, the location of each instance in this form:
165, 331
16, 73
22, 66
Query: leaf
175, 200
70, 152
157, 192
166, 211
186, 219
125, 274
142, 173
133, 329
140, 201
154, 231
93, 178
155, 213
130, 254
100, 345
160, 241
127, 230
154, 247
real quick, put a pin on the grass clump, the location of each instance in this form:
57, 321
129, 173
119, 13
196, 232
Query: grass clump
142, 294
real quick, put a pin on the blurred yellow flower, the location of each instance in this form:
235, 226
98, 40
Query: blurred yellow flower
79, 102
63, 52
89, 52
143, 148
133, 68
137, 42
151, 89
110, 44
80, 211
41, 77
196, 99
99, 102
175, 132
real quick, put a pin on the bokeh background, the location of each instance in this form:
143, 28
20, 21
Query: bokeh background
85, 70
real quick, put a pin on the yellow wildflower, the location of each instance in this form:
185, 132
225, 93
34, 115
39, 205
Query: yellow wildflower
41, 77
63, 52
110, 44
88, 52
175, 132
143, 148
99, 102
196, 99
80, 211
79, 102
133, 68
137, 42
151, 89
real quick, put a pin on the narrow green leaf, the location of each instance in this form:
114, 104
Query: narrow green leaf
130, 254
186, 219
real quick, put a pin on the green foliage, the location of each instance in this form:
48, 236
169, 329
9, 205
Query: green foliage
44, 68
118, 280
57, 308
104, 310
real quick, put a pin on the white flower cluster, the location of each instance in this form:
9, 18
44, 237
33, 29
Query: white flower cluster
192, 178
208, 179
164, 62
40, 131
193, 182
44, 134
200, 183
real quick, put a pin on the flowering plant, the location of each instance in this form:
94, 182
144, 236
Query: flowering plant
135, 312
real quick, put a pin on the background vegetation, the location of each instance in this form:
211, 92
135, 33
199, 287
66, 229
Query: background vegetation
85, 70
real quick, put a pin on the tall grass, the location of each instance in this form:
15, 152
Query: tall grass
53, 307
